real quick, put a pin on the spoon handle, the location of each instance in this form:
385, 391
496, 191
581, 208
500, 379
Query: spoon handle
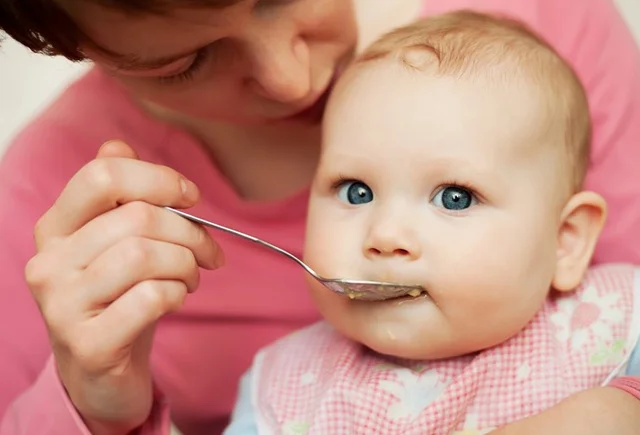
243, 236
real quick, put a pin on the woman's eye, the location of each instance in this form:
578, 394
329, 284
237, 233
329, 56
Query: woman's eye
454, 198
198, 62
274, 2
355, 192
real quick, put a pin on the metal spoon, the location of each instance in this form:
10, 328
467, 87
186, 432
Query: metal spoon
354, 289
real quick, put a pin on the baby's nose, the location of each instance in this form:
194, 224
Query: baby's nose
392, 241
387, 252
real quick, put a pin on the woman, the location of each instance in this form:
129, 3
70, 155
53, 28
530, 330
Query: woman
229, 95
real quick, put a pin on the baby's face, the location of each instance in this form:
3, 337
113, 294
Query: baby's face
451, 184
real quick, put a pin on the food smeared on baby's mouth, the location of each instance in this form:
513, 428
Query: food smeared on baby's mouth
356, 294
415, 293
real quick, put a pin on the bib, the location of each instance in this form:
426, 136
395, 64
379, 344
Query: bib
316, 382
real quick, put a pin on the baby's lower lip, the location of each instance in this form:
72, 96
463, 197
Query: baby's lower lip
423, 295
412, 296
399, 299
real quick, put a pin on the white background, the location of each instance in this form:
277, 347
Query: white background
28, 81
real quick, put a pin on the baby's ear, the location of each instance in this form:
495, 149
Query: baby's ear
582, 220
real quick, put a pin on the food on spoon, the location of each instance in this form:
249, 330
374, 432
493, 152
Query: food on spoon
353, 294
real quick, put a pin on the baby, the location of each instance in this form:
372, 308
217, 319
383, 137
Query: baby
454, 155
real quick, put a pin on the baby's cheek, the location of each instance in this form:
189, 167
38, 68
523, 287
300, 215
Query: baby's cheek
322, 255
319, 244
331, 253
482, 313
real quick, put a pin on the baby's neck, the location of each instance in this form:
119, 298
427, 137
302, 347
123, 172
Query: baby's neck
411, 364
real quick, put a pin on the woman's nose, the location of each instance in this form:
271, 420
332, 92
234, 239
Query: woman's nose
282, 70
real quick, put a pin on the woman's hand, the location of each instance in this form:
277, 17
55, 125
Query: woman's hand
598, 411
109, 264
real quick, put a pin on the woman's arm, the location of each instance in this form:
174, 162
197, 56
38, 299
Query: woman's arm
599, 411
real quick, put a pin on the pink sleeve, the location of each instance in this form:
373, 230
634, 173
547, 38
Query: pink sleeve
629, 384
593, 37
32, 398
45, 408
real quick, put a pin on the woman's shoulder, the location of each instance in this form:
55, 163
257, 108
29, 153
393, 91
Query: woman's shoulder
593, 37
560, 22
67, 134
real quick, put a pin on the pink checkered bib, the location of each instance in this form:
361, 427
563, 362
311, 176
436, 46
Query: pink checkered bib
316, 382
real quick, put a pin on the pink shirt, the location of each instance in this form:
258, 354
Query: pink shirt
200, 352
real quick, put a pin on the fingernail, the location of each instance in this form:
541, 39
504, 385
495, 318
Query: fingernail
107, 145
219, 259
189, 190
184, 187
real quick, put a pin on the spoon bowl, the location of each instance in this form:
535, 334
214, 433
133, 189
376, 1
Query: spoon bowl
353, 289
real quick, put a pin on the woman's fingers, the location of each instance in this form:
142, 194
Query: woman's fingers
139, 219
132, 313
130, 262
104, 184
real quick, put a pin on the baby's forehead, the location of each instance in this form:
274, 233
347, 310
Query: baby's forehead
385, 99
385, 117
462, 81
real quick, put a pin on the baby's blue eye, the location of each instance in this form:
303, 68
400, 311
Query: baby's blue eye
355, 192
454, 198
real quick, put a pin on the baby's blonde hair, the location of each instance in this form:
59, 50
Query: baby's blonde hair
468, 44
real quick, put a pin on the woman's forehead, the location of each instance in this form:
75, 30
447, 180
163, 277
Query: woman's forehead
150, 6
152, 38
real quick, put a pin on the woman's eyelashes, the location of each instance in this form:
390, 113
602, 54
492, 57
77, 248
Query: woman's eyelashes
199, 60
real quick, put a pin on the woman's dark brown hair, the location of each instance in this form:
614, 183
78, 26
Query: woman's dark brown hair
44, 27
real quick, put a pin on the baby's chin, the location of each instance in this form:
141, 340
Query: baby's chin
409, 328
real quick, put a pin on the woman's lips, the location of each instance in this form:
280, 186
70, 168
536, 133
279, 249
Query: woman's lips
315, 111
